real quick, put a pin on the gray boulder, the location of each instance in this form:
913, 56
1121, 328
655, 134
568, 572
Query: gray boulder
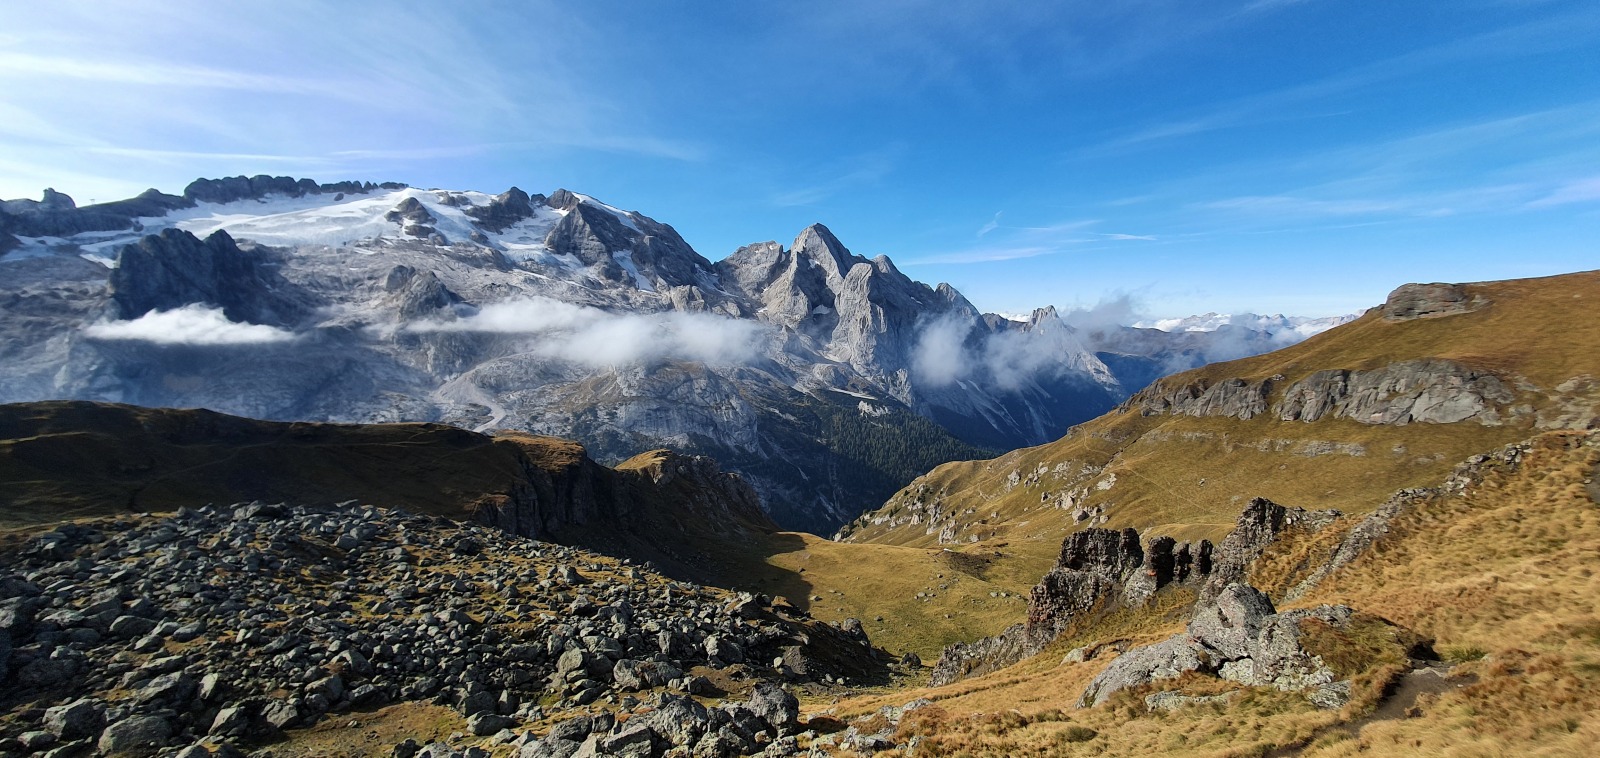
1164, 660
75, 720
135, 733
1239, 637
776, 706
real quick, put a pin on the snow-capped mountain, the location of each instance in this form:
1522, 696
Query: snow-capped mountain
1300, 326
827, 379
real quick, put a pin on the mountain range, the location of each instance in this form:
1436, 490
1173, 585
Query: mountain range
1377, 541
827, 379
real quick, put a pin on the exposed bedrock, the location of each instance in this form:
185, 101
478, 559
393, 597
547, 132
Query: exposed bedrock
1427, 390
1238, 636
1413, 301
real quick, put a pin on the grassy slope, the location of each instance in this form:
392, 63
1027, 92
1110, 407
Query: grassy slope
70, 459
1502, 576
1189, 477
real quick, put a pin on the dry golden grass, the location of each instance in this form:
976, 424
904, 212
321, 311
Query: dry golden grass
879, 584
1502, 576
1190, 477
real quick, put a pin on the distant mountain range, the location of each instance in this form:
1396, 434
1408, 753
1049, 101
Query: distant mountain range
828, 380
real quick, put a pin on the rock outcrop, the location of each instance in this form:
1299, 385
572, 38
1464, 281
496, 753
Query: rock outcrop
1237, 636
1413, 301
1426, 390
176, 268
1102, 569
506, 209
1098, 570
1260, 524
1233, 398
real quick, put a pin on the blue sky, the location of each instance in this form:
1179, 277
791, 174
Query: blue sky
1297, 156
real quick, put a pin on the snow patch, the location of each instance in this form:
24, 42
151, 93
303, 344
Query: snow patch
525, 240
626, 217
625, 260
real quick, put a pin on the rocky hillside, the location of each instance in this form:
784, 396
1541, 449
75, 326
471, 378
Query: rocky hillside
74, 459
827, 379
221, 628
1340, 421
1454, 619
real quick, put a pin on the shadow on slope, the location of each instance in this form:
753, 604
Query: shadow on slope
67, 459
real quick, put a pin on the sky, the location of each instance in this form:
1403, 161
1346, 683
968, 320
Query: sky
1275, 156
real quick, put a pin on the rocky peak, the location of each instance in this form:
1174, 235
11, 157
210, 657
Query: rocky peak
57, 201
818, 245
505, 209
409, 210
563, 200
589, 234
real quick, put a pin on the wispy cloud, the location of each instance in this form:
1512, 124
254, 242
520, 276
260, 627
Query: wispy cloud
1581, 191
14, 65
1311, 98
994, 223
331, 88
593, 337
847, 174
198, 325
1019, 242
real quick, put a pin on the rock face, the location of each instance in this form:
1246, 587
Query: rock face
1431, 391
1234, 398
175, 268
288, 614
1413, 301
1237, 636
1428, 390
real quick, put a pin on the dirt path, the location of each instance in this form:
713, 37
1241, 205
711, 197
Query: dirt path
1433, 679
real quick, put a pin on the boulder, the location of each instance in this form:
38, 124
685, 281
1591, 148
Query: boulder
1236, 636
75, 720
776, 706
135, 733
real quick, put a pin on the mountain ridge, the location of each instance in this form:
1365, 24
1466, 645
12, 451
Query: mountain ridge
287, 299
